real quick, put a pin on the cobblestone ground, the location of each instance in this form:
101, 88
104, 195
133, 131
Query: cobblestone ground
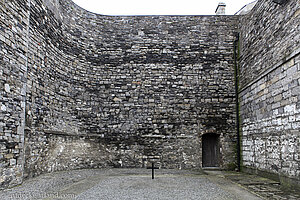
132, 184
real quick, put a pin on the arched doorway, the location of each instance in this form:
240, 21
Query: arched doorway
210, 150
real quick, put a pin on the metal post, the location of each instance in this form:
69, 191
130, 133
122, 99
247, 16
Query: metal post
153, 170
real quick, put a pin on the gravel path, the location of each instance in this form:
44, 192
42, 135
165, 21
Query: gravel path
125, 184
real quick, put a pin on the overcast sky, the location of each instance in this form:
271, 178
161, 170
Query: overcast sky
160, 7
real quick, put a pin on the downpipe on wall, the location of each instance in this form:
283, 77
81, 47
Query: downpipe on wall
236, 77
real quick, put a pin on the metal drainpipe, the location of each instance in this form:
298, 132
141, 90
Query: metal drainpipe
237, 102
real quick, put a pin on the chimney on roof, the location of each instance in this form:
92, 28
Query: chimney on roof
221, 9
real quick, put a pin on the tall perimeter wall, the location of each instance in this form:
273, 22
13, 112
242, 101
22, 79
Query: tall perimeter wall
270, 90
81, 90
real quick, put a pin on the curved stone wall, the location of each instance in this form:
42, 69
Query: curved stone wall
81, 90
142, 86
106, 91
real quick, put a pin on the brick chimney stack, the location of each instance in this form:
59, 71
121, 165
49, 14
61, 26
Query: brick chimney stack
221, 9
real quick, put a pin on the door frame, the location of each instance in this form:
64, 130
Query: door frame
217, 147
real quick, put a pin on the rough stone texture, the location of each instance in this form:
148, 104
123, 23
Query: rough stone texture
270, 74
14, 21
110, 91
269, 34
81, 90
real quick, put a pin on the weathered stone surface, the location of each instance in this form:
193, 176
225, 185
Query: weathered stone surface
270, 89
13, 53
101, 91
269, 34
81, 90
138, 83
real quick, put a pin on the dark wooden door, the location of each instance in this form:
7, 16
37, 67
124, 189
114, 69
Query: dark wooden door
210, 150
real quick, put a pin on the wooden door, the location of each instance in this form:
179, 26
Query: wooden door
210, 150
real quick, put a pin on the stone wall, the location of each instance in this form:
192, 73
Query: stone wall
110, 91
270, 88
81, 90
14, 21
269, 35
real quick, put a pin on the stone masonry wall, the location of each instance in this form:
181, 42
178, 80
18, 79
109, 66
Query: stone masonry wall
269, 35
107, 91
81, 90
270, 88
14, 22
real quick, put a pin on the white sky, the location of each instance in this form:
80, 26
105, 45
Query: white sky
159, 7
